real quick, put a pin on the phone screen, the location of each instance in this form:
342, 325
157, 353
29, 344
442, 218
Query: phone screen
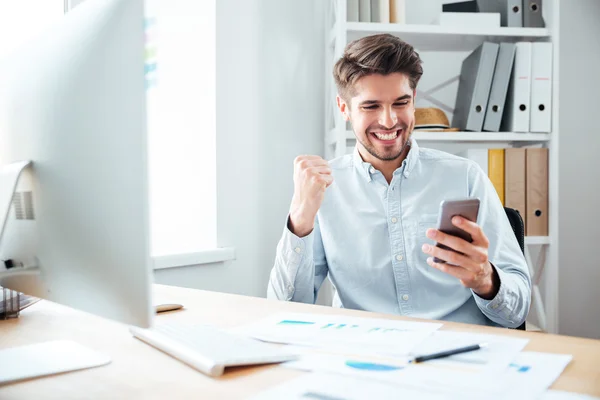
466, 208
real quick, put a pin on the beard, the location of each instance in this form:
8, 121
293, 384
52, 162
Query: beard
388, 155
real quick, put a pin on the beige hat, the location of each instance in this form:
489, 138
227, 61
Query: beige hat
432, 120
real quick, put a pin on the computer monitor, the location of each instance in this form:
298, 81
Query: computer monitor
72, 102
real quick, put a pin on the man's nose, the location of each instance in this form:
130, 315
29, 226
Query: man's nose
388, 118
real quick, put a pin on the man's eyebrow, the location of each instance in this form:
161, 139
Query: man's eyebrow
370, 102
405, 97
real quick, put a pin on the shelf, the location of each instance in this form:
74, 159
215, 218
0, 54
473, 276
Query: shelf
537, 240
465, 137
444, 38
481, 137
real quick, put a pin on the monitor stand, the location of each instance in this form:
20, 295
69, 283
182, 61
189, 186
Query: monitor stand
47, 358
40, 359
15, 248
9, 178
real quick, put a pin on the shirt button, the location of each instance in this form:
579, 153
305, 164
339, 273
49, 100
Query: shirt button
394, 220
405, 297
399, 257
290, 288
372, 170
298, 250
495, 306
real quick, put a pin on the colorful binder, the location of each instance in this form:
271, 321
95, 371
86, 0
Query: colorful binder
496, 171
398, 11
537, 192
515, 180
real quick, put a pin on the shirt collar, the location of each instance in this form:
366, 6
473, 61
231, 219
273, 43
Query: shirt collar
364, 168
412, 158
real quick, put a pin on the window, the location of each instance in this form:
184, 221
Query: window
180, 72
180, 76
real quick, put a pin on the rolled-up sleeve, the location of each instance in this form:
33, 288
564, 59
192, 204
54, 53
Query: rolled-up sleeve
511, 304
300, 267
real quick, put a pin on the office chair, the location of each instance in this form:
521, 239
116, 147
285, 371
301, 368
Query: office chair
518, 227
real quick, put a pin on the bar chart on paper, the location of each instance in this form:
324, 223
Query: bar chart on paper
346, 327
332, 331
367, 366
371, 366
531, 373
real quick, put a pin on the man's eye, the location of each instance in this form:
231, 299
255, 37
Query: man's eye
401, 104
370, 107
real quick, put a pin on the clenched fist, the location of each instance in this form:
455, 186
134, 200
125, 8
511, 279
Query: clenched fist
312, 175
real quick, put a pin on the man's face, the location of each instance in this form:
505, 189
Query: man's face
382, 114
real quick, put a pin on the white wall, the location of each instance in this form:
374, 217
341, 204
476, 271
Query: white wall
73, 3
579, 276
269, 110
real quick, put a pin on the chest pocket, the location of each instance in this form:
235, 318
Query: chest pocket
426, 221
431, 275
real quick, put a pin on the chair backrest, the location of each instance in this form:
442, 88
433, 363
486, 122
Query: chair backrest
518, 227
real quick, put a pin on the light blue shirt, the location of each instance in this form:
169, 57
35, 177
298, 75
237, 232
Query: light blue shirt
368, 236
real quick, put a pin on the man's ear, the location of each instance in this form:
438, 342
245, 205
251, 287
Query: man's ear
344, 109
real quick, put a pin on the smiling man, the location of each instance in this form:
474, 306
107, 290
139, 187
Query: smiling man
368, 219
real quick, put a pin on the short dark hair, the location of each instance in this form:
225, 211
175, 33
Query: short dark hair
377, 54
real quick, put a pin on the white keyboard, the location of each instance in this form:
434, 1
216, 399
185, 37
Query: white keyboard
210, 350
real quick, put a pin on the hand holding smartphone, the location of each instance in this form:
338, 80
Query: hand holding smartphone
466, 208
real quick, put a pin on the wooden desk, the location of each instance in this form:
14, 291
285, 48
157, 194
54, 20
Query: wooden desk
139, 371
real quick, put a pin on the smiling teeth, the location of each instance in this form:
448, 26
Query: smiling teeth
387, 136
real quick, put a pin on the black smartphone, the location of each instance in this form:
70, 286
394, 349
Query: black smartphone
466, 208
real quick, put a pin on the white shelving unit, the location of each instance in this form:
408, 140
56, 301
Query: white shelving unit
442, 50
461, 137
435, 37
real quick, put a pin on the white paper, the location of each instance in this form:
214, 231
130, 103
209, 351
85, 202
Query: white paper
560, 395
366, 367
496, 357
365, 335
322, 386
528, 376
421, 378
531, 373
